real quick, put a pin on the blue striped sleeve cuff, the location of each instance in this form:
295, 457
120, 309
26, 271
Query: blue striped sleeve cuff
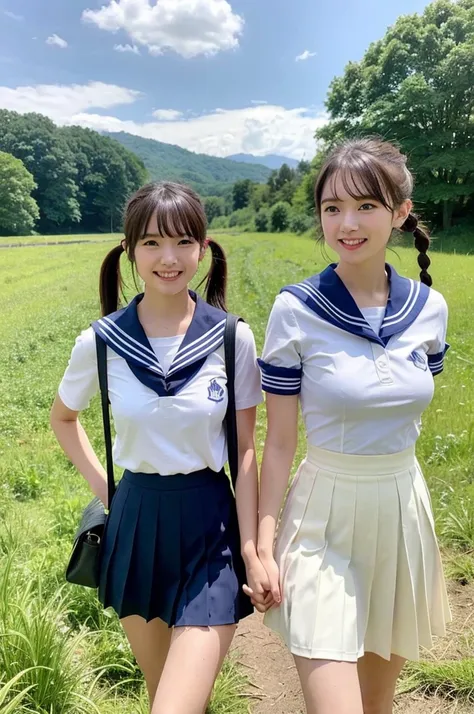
280, 380
436, 362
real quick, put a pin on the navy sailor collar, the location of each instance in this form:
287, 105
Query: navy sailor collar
124, 334
328, 297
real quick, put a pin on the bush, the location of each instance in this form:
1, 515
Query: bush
241, 218
299, 223
280, 217
220, 222
262, 221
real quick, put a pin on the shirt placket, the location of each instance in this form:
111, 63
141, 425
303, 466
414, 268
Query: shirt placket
382, 363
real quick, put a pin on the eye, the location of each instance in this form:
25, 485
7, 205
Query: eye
186, 241
150, 242
331, 209
367, 206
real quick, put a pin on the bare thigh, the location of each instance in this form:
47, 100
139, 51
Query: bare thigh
378, 679
329, 687
194, 659
150, 642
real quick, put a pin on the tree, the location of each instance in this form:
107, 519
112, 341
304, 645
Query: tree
107, 174
18, 210
34, 139
416, 86
241, 192
303, 198
280, 216
262, 221
260, 196
214, 207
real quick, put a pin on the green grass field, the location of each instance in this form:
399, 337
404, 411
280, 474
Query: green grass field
71, 656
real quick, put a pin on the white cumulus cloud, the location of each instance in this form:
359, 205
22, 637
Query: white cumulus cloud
127, 48
56, 40
304, 56
62, 102
258, 129
187, 27
167, 114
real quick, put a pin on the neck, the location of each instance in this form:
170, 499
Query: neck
165, 314
367, 280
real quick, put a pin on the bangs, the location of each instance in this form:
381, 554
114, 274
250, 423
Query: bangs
362, 177
177, 209
177, 217
360, 184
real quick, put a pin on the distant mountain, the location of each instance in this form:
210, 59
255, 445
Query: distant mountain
209, 175
272, 161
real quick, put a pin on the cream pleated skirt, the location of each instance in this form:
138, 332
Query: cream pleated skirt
360, 567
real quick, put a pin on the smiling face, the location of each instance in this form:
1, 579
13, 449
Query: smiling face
356, 225
166, 263
165, 235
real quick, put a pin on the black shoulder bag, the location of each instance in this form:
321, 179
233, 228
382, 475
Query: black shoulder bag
84, 564
231, 417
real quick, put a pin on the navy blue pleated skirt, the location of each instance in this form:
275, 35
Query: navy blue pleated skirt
171, 549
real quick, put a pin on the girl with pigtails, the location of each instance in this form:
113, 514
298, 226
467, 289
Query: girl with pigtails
173, 563
355, 572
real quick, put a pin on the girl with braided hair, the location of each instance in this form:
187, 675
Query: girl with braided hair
355, 572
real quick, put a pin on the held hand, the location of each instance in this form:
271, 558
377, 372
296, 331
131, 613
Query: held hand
273, 573
258, 587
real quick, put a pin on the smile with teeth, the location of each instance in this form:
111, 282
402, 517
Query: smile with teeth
352, 241
168, 275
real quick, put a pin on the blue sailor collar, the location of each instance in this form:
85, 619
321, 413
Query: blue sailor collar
123, 333
328, 297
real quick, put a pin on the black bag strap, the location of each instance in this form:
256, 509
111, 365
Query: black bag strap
101, 348
231, 417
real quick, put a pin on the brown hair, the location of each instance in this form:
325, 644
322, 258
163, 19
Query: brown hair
179, 212
372, 167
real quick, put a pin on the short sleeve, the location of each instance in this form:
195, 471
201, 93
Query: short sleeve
438, 347
248, 388
80, 381
281, 358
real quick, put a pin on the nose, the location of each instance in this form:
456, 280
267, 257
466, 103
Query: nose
350, 222
168, 256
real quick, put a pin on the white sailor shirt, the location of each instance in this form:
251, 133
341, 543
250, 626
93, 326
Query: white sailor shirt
171, 422
360, 392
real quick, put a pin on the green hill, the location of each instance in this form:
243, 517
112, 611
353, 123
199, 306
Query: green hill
209, 175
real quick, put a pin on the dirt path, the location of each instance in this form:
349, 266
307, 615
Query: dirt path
274, 685
274, 681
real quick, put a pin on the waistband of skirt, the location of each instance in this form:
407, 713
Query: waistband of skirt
363, 464
175, 482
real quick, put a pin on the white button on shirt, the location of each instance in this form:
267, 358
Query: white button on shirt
358, 395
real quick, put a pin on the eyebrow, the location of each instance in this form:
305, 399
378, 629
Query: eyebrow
158, 235
333, 199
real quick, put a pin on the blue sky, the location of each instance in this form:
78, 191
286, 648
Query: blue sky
217, 76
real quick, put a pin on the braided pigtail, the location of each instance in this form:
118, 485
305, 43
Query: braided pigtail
422, 243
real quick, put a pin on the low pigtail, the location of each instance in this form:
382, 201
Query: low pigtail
216, 280
110, 281
422, 243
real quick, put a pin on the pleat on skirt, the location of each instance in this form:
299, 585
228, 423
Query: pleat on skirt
171, 550
360, 567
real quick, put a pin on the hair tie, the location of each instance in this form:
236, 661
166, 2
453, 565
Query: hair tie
411, 223
206, 243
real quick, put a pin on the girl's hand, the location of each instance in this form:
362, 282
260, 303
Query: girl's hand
273, 578
258, 587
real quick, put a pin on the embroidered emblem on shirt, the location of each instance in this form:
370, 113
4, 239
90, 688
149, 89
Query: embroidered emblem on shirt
215, 392
418, 360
